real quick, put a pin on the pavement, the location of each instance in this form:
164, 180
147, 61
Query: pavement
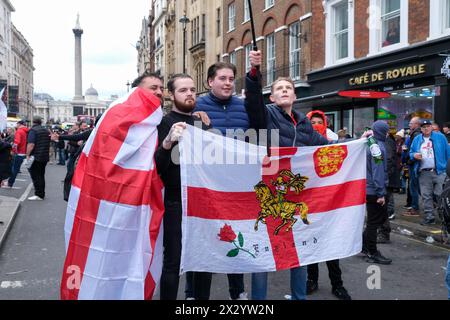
8, 209
410, 226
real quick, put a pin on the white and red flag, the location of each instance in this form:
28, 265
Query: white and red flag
245, 213
113, 223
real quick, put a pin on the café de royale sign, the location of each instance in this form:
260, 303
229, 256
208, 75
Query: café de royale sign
388, 75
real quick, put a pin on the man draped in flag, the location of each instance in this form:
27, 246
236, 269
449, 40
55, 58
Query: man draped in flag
115, 210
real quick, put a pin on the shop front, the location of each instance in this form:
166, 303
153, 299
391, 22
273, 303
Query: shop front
413, 77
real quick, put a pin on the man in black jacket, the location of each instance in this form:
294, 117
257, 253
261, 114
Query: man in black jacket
38, 148
183, 95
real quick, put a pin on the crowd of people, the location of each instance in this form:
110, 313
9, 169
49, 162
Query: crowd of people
414, 163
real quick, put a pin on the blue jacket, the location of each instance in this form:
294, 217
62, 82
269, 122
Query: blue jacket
224, 114
272, 117
440, 147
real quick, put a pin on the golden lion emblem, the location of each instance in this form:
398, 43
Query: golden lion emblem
276, 206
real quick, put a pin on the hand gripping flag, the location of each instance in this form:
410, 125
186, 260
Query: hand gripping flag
113, 223
245, 213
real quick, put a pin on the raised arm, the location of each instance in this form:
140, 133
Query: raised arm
254, 101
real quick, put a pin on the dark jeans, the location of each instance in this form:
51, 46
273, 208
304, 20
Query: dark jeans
62, 157
37, 173
172, 250
236, 285
376, 216
17, 163
334, 272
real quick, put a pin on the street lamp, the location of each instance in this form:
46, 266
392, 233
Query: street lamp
184, 21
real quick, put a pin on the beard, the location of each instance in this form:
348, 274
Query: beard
185, 106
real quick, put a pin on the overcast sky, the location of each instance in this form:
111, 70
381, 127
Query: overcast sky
111, 30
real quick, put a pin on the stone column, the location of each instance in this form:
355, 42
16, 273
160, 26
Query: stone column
78, 32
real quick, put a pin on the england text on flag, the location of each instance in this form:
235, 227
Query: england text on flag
114, 216
245, 218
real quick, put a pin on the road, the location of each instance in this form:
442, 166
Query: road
32, 258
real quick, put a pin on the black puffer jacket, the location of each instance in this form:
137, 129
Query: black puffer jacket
274, 118
5, 160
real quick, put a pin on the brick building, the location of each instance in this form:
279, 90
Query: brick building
283, 35
379, 45
394, 46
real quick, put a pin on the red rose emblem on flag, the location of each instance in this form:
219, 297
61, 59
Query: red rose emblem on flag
227, 234
328, 160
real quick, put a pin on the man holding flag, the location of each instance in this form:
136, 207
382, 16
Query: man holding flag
115, 210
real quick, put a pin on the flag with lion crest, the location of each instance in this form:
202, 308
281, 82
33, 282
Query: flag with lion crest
300, 206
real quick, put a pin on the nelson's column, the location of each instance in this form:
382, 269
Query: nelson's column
78, 102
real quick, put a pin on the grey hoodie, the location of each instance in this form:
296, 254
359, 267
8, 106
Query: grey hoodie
377, 177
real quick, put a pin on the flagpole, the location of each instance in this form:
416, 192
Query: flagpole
252, 22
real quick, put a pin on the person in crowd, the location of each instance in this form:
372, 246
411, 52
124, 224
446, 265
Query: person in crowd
393, 186
436, 127
60, 147
430, 153
226, 112
319, 123
5, 160
413, 205
19, 150
9, 136
400, 142
152, 82
38, 147
376, 190
446, 131
342, 135
182, 92
296, 130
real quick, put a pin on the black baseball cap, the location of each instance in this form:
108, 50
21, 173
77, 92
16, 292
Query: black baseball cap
426, 122
22, 122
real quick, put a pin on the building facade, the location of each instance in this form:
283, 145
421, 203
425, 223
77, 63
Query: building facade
21, 84
395, 46
283, 34
143, 48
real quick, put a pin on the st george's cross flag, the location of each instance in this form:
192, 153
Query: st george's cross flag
246, 213
113, 224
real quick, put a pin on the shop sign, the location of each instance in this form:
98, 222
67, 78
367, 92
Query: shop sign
391, 74
364, 94
446, 68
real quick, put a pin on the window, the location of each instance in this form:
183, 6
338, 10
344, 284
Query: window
294, 51
248, 66
200, 76
231, 17
390, 22
388, 25
440, 23
340, 30
268, 4
219, 20
246, 11
340, 24
271, 58
233, 57
447, 15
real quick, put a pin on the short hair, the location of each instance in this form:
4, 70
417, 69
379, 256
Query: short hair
141, 78
212, 71
447, 124
37, 120
288, 79
174, 78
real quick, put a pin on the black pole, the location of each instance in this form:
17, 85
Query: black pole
252, 22
184, 50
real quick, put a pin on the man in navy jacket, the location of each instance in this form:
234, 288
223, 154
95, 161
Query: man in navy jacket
227, 113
